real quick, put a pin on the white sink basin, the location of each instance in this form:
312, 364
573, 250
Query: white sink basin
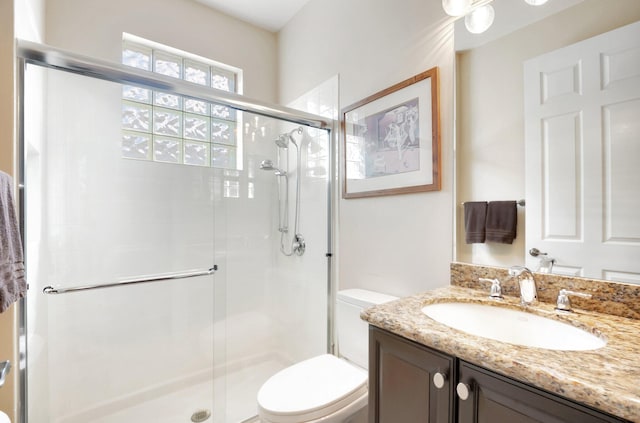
513, 327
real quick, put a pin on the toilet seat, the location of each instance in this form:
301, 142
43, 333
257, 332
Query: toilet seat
311, 389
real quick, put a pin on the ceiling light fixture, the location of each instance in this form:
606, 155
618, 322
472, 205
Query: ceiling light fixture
480, 19
456, 7
478, 14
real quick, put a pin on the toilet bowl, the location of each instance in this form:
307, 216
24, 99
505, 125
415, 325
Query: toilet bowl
323, 388
326, 388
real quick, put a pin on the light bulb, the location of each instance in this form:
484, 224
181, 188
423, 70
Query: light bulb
536, 2
480, 19
456, 7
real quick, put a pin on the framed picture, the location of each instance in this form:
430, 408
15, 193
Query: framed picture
392, 140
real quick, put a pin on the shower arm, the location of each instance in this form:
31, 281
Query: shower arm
299, 174
298, 245
283, 211
284, 208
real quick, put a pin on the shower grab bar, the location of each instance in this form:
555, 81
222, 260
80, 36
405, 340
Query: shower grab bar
146, 279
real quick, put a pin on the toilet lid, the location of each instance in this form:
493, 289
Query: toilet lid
311, 389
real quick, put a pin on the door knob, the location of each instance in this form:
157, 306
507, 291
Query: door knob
534, 252
463, 391
439, 379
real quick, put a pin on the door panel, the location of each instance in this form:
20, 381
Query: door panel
582, 105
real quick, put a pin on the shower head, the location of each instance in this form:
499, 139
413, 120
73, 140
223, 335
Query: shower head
283, 140
268, 165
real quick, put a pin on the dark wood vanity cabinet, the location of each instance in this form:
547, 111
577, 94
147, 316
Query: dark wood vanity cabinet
402, 390
401, 387
495, 398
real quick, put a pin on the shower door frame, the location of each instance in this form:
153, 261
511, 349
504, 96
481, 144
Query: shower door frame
30, 53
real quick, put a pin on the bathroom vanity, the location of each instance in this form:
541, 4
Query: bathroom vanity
423, 370
403, 373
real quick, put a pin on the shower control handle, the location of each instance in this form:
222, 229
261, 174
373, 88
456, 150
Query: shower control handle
299, 245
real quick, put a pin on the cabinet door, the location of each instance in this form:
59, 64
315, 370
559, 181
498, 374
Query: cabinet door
401, 386
494, 398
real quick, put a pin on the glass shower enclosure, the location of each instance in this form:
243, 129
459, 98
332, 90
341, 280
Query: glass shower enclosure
158, 289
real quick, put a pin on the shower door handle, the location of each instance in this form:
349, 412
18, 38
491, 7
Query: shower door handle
146, 279
5, 366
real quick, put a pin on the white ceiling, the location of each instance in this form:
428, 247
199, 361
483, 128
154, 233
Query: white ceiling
271, 15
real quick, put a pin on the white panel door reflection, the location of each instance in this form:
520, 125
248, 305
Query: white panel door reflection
582, 146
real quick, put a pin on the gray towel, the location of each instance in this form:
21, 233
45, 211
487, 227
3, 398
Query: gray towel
502, 218
475, 213
12, 283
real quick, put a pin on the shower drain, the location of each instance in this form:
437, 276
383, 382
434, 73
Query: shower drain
200, 416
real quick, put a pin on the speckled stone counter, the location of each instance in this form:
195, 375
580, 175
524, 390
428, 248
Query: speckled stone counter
620, 299
607, 379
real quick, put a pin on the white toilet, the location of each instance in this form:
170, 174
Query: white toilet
326, 388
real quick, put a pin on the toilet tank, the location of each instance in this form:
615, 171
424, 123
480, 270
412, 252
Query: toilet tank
353, 332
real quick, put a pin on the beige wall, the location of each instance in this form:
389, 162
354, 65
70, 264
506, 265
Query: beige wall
397, 244
490, 121
6, 86
7, 319
95, 28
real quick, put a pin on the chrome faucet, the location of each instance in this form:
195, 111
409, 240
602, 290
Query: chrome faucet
527, 283
563, 303
496, 289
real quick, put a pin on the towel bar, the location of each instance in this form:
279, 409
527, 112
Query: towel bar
146, 279
520, 203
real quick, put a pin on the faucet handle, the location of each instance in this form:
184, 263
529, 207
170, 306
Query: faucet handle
563, 303
496, 288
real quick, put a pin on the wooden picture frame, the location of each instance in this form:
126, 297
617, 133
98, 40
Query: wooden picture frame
391, 140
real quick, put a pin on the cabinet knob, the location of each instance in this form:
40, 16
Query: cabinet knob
439, 379
463, 391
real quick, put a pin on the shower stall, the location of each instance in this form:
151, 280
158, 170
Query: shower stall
163, 289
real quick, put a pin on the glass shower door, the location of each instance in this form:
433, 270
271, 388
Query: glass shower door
124, 219
126, 353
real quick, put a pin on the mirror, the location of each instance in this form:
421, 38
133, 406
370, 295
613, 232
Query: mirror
490, 123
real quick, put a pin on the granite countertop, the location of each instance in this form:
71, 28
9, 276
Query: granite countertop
607, 379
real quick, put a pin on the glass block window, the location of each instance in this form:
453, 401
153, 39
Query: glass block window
163, 127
